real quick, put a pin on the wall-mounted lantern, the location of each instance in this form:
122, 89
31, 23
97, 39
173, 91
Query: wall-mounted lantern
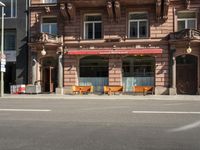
43, 52
189, 49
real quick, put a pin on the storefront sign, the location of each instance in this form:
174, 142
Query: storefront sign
115, 52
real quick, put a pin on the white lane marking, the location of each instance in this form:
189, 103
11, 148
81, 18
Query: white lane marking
186, 127
173, 104
165, 112
104, 108
31, 110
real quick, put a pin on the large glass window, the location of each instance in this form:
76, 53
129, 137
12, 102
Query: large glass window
93, 66
138, 67
138, 25
187, 20
49, 25
10, 40
50, 1
92, 27
10, 9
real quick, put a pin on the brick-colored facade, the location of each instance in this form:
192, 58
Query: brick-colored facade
162, 21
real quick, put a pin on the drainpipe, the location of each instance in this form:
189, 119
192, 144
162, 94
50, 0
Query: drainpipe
174, 12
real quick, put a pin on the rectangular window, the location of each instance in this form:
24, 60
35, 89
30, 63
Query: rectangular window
92, 27
187, 20
138, 25
10, 40
49, 25
10, 9
49, 1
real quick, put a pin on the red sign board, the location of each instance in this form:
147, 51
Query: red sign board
114, 52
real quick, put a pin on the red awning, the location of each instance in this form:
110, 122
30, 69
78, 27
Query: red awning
137, 51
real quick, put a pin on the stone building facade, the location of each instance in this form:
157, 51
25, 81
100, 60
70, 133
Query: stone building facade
115, 42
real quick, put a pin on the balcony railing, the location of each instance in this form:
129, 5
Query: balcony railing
186, 34
46, 38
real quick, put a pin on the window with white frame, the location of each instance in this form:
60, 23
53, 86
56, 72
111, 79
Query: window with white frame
138, 25
49, 1
93, 27
10, 9
187, 20
49, 25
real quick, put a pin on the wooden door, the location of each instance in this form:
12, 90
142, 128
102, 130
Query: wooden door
48, 79
186, 75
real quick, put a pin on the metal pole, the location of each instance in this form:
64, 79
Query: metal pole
2, 53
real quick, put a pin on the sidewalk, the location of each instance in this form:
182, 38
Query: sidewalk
103, 97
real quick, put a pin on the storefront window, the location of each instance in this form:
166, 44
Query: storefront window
138, 67
93, 67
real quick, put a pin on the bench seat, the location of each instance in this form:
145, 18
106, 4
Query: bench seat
113, 89
143, 89
82, 89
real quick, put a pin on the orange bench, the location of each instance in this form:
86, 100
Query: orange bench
143, 89
82, 89
113, 89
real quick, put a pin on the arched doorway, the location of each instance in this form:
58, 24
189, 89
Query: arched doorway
93, 70
49, 74
186, 74
138, 70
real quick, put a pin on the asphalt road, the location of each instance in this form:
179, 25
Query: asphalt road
42, 124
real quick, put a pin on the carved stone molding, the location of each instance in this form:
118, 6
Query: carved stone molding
187, 3
117, 9
63, 10
37, 18
165, 9
71, 10
110, 10
47, 9
158, 9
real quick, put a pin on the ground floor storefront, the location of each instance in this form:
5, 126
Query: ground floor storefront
171, 67
127, 70
180, 75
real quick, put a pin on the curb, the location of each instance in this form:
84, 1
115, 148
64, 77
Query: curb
105, 97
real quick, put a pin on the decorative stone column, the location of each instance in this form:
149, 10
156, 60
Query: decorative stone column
172, 90
59, 89
60, 71
34, 69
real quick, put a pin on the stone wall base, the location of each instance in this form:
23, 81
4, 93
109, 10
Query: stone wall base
198, 91
159, 90
172, 91
59, 91
67, 90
